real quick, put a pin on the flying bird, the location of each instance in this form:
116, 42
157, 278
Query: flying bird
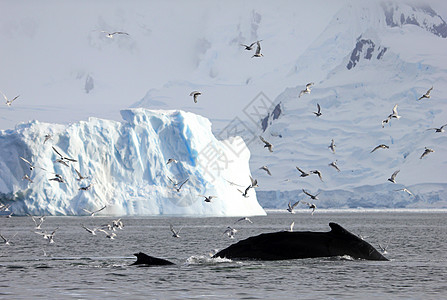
195, 94
63, 158
318, 112
334, 165
307, 89
39, 222
394, 115
245, 193
80, 177
244, 219
313, 197
27, 178
31, 166
254, 182
180, 186
291, 207
393, 176
7, 241
111, 34
47, 137
92, 213
426, 152
318, 173
405, 190
9, 102
86, 188
427, 94
249, 47
175, 233
92, 231
258, 50
58, 178
208, 198
311, 206
171, 160
303, 174
230, 232
332, 146
267, 144
266, 169
381, 146
440, 129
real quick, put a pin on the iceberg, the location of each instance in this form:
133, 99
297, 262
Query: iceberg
126, 167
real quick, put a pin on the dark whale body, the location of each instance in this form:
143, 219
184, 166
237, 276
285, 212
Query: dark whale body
144, 259
302, 244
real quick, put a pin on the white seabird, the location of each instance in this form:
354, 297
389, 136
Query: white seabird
393, 176
244, 219
306, 90
332, 146
440, 129
266, 169
111, 34
311, 206
258, 50
230, 232
427, 94
313, 197
290, 207
92, 213
303, 174
318, 112
334, 165
426, 152
175, 233
7, 241
9, 102
381, 146
208, 198
195, 94
267, 144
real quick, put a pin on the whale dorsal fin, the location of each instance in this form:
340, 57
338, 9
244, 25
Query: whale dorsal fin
337, 229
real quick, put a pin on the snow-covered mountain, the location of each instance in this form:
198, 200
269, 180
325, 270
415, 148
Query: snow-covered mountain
126, 166
362, 66
363, 56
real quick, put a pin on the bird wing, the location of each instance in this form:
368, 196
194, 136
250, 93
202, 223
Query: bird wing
26, 161
309, 85
377, 147
100, 209
262, 139
251, 45
79, 174
308, 194
302, 172
427, 93
57, 152
4, 96
295, 204
119, 32
173, 182
14, 98
395, 174
3, 238
319, 108
87, 211
395, 109
258, 47
183, 183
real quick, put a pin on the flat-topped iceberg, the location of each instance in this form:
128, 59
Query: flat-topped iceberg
126, 167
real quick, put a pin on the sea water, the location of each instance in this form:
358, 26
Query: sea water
79, 265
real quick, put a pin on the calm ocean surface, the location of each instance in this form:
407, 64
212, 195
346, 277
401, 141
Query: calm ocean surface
82, 266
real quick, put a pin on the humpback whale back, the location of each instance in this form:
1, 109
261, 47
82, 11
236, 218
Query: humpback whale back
302, 244
144, 259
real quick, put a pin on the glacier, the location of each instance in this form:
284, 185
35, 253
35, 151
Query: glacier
126, 163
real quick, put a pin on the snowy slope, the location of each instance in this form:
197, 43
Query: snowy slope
362, 67
126, 164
